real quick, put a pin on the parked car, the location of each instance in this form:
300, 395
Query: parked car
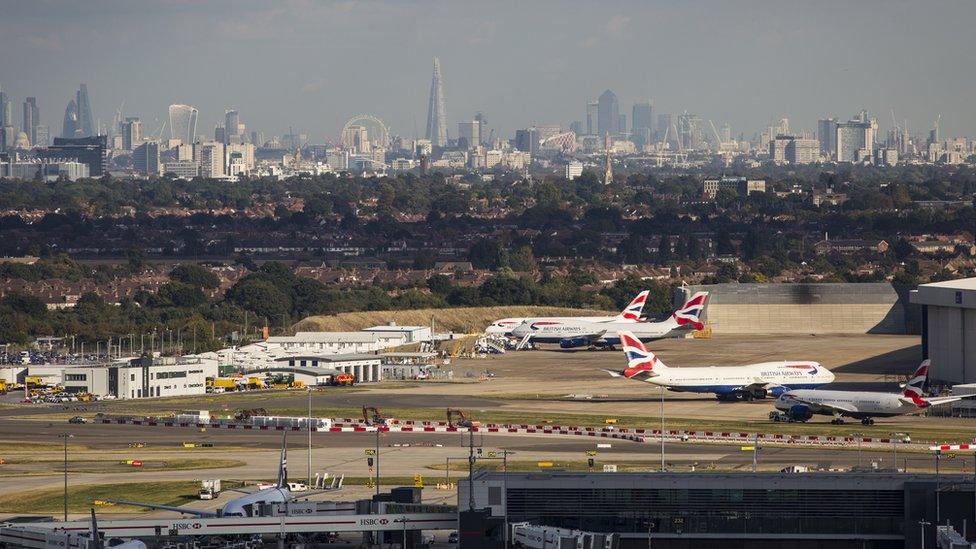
453, 537
77, 420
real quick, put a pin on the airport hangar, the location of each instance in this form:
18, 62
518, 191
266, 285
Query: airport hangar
948, 311
871, 509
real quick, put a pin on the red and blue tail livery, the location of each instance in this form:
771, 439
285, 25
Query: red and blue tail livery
690, 313
636, 307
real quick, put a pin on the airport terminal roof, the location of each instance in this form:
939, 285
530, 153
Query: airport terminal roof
308, 371
346, 357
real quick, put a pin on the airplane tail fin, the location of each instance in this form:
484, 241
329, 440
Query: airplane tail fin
915, 388
283, 463
639, 359
632, 312
690, 313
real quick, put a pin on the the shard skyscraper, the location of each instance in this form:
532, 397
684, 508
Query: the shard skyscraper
436, 113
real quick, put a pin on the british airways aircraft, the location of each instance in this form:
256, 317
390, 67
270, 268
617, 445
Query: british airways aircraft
570, 334
751, 381
630, 314
863, 405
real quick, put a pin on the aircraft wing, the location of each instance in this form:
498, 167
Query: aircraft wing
184, 510
945, 400
834, 407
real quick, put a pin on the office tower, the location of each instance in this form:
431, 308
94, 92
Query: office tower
210, 158
726, 133
42, 136
855, 139
92, 151
84, 127
469, 134
608, 114
592, 112
436, 112
257, 138
183, 123
70, 125
482, 126
5, 109
233, 129
220, 134
8, 134
31, 119
576, 126
145, 158
827, 133
791, 149
527, 140
642, 124
131, 133
243, 151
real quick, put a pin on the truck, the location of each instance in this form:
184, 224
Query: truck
343, 380
210, 488
255, 383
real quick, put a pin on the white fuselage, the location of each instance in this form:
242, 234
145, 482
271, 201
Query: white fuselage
852, 403
506, 325
727, 379
555, 330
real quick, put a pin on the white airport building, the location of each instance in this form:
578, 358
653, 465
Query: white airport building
133, 378
949, 328
365, 368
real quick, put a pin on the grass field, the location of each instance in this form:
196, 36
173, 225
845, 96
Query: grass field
462, 319
82, 498
119, 466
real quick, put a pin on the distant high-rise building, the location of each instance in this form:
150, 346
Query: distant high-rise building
85, 126
482, 127
469, 134
70, 125
210, 157
827, 134
690, 131
145, 158
436, 111
855, 139
527, 140
608, 114
42, 135
622, 123
183, 123
791, 149
131, 133
32, 116
6, 111
92, 151
234, 131
220, 134
642, 123
592, 113
576, 126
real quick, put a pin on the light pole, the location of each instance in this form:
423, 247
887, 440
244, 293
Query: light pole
921, 526
65, 436
894, 448
938, 486
662, 428
308, 427
377, 460
859, 437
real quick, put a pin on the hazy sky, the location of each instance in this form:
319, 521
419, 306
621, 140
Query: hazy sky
313, 64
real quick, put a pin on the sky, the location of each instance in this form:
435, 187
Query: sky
312, 65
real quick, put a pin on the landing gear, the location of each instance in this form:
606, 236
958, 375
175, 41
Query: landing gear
837, 421
867, 421
759, 394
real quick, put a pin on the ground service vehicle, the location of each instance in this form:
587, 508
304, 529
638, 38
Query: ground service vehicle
341, 380
210, 488
462, 420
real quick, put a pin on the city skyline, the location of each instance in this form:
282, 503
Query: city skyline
568, 59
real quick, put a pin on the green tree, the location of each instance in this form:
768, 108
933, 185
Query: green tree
260, 296
195, 275
523, 260
487, 254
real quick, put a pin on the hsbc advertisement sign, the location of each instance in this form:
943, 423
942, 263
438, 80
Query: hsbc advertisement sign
374, 521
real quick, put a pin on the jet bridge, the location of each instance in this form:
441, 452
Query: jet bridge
74, 534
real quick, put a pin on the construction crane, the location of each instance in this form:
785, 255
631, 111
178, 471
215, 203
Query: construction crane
718, 139
462, 420
372, 416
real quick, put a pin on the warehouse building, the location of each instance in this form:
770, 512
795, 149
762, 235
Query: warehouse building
747, 510
871, 308
408, 334
948, 312
365, 368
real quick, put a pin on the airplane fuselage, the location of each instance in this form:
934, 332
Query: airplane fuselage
600, 333
723, 380
506, 325
854, 404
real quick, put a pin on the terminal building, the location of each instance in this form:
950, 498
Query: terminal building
364, 367
948, 311
733, 510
